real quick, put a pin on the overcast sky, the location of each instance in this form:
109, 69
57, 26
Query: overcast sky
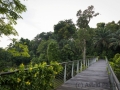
42, 15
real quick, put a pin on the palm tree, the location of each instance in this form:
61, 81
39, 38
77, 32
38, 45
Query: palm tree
101, 38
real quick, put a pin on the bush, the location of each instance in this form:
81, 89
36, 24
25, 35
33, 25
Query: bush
37, 77
116, 65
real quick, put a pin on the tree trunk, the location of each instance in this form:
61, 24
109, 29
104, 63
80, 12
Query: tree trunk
84, 51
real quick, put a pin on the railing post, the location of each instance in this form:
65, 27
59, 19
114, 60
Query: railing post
88, 62
95, 59
72, 69
78, 66
91, 61
81, 67
65, 73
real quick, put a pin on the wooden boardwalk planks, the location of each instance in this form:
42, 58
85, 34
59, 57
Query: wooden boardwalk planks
93, 78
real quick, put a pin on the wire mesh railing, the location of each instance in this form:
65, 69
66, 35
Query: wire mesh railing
70, 69
114, 82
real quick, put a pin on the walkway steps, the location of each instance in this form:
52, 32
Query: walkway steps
93, 78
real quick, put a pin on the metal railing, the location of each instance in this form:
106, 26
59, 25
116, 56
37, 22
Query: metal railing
70, 69
115, 84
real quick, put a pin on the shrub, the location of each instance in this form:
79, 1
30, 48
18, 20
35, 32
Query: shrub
37, 77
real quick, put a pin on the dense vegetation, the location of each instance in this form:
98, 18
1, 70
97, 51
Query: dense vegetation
69, 41
115, 63
37, 77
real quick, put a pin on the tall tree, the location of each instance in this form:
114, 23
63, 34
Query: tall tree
101, 38
84, 18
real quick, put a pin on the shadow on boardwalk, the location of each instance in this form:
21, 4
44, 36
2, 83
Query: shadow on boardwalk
93, 78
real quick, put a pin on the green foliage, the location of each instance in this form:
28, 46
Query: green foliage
83, 67
37, 77
116, 57
112, 26
64, 29
19, 50
100, 25
103, 54
68, 53
42, 48
53, 51
5, 58
101, 38
44, 36
7, 29
115, 39
116, 65
107, 38
11, 11
85, 17
118, 61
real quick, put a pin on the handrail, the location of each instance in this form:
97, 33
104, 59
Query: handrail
11, 72
113, 79
70, 69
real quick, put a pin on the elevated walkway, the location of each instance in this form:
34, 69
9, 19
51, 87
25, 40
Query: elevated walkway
94, 77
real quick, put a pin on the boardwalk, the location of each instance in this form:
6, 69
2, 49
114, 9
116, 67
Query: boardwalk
93, 78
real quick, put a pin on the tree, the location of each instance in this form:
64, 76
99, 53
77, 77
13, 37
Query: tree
85, 17
112, 26
83, 25
101, 41
107, 38
115, 39
42, 49
17, 50
64, 29
101, 38
26, 42
10, 10
7, 29
39, 38
5, 58
101, 25
68, 52
53, 51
